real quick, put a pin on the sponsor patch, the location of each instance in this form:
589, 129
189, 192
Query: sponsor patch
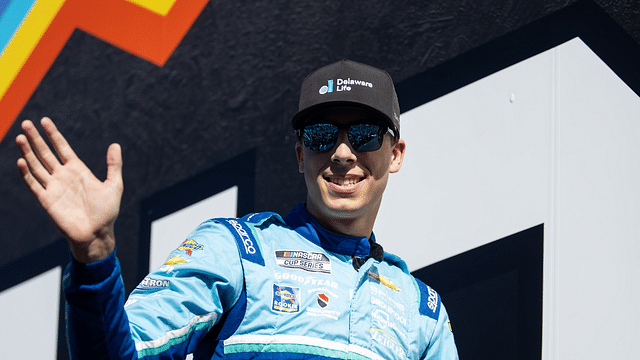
189, 246
329, 314
323, 309
387, 340
429, 301
176, 260
343, 85
391, 322
323, 300
373, 273
153, 284
433, 301
285, 299
306, 280
324, 290
249, 249
304, 260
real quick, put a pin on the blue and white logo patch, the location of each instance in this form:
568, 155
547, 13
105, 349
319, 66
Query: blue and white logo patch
429, 301
285, 299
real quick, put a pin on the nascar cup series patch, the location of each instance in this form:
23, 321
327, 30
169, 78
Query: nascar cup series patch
285, 299
304, 260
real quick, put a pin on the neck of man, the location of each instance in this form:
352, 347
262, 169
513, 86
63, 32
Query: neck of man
345, 222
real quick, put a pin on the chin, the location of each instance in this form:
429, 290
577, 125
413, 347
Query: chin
345, 209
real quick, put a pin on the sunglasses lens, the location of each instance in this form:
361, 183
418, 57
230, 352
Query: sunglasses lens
320, 137
366, 137
363, 137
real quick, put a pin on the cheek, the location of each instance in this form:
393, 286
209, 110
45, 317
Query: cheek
380, 165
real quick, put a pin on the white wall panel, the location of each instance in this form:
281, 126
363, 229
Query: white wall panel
598, 227
29, 313
553, 140
476, 167
170, 231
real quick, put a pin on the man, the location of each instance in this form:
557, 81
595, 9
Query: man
314, 284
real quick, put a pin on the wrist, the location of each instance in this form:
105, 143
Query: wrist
94, 250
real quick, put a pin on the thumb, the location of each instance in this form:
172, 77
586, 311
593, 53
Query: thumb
114, 164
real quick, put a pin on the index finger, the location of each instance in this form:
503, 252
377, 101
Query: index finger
38, 148
60, 144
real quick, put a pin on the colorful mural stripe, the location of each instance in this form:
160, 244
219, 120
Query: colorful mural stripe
161, 7
12, 13
35, 31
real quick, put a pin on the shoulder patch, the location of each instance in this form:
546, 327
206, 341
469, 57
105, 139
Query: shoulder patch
429, 301
247, 245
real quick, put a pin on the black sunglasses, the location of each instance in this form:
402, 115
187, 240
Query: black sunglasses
363, 137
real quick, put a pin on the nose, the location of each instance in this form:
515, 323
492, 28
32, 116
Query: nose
343, 153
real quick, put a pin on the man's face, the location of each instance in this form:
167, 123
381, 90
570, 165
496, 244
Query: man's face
344, 184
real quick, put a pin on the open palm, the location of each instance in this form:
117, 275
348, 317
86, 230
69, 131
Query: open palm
82, 207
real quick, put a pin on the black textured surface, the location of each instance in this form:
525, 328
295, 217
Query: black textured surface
232, 86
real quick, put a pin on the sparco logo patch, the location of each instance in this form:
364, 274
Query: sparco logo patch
246, 240
304, 260
432, 301
285, 299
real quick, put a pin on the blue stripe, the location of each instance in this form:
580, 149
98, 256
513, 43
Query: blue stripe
3, 6
12, 14
247, 244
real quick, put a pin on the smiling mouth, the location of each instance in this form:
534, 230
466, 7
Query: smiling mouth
341, 181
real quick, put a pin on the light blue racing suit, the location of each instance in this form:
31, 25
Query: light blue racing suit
259, 287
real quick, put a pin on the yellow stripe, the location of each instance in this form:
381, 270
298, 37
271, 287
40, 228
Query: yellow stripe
25, 40
161, 7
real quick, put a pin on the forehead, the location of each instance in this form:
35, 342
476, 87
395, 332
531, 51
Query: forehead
345, 115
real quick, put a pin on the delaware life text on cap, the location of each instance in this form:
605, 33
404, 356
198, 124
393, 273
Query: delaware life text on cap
352, 84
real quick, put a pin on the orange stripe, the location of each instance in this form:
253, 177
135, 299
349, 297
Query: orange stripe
36, 66
130, 27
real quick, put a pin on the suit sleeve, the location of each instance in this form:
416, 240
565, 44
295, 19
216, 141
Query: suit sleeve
169, 311
440, 342
442, 345
97, 326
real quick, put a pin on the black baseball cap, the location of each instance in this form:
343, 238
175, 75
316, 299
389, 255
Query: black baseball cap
350, 84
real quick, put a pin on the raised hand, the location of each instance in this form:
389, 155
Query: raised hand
82, 207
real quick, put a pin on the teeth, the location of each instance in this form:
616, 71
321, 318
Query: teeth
344, 182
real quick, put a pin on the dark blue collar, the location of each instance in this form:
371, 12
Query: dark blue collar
301, 221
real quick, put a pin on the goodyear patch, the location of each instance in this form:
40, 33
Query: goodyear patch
189, 246
285, 299
150, 284
304, 260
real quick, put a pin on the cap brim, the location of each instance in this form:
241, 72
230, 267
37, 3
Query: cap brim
302, 116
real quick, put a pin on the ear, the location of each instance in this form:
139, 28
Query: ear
300, 157
397, 156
